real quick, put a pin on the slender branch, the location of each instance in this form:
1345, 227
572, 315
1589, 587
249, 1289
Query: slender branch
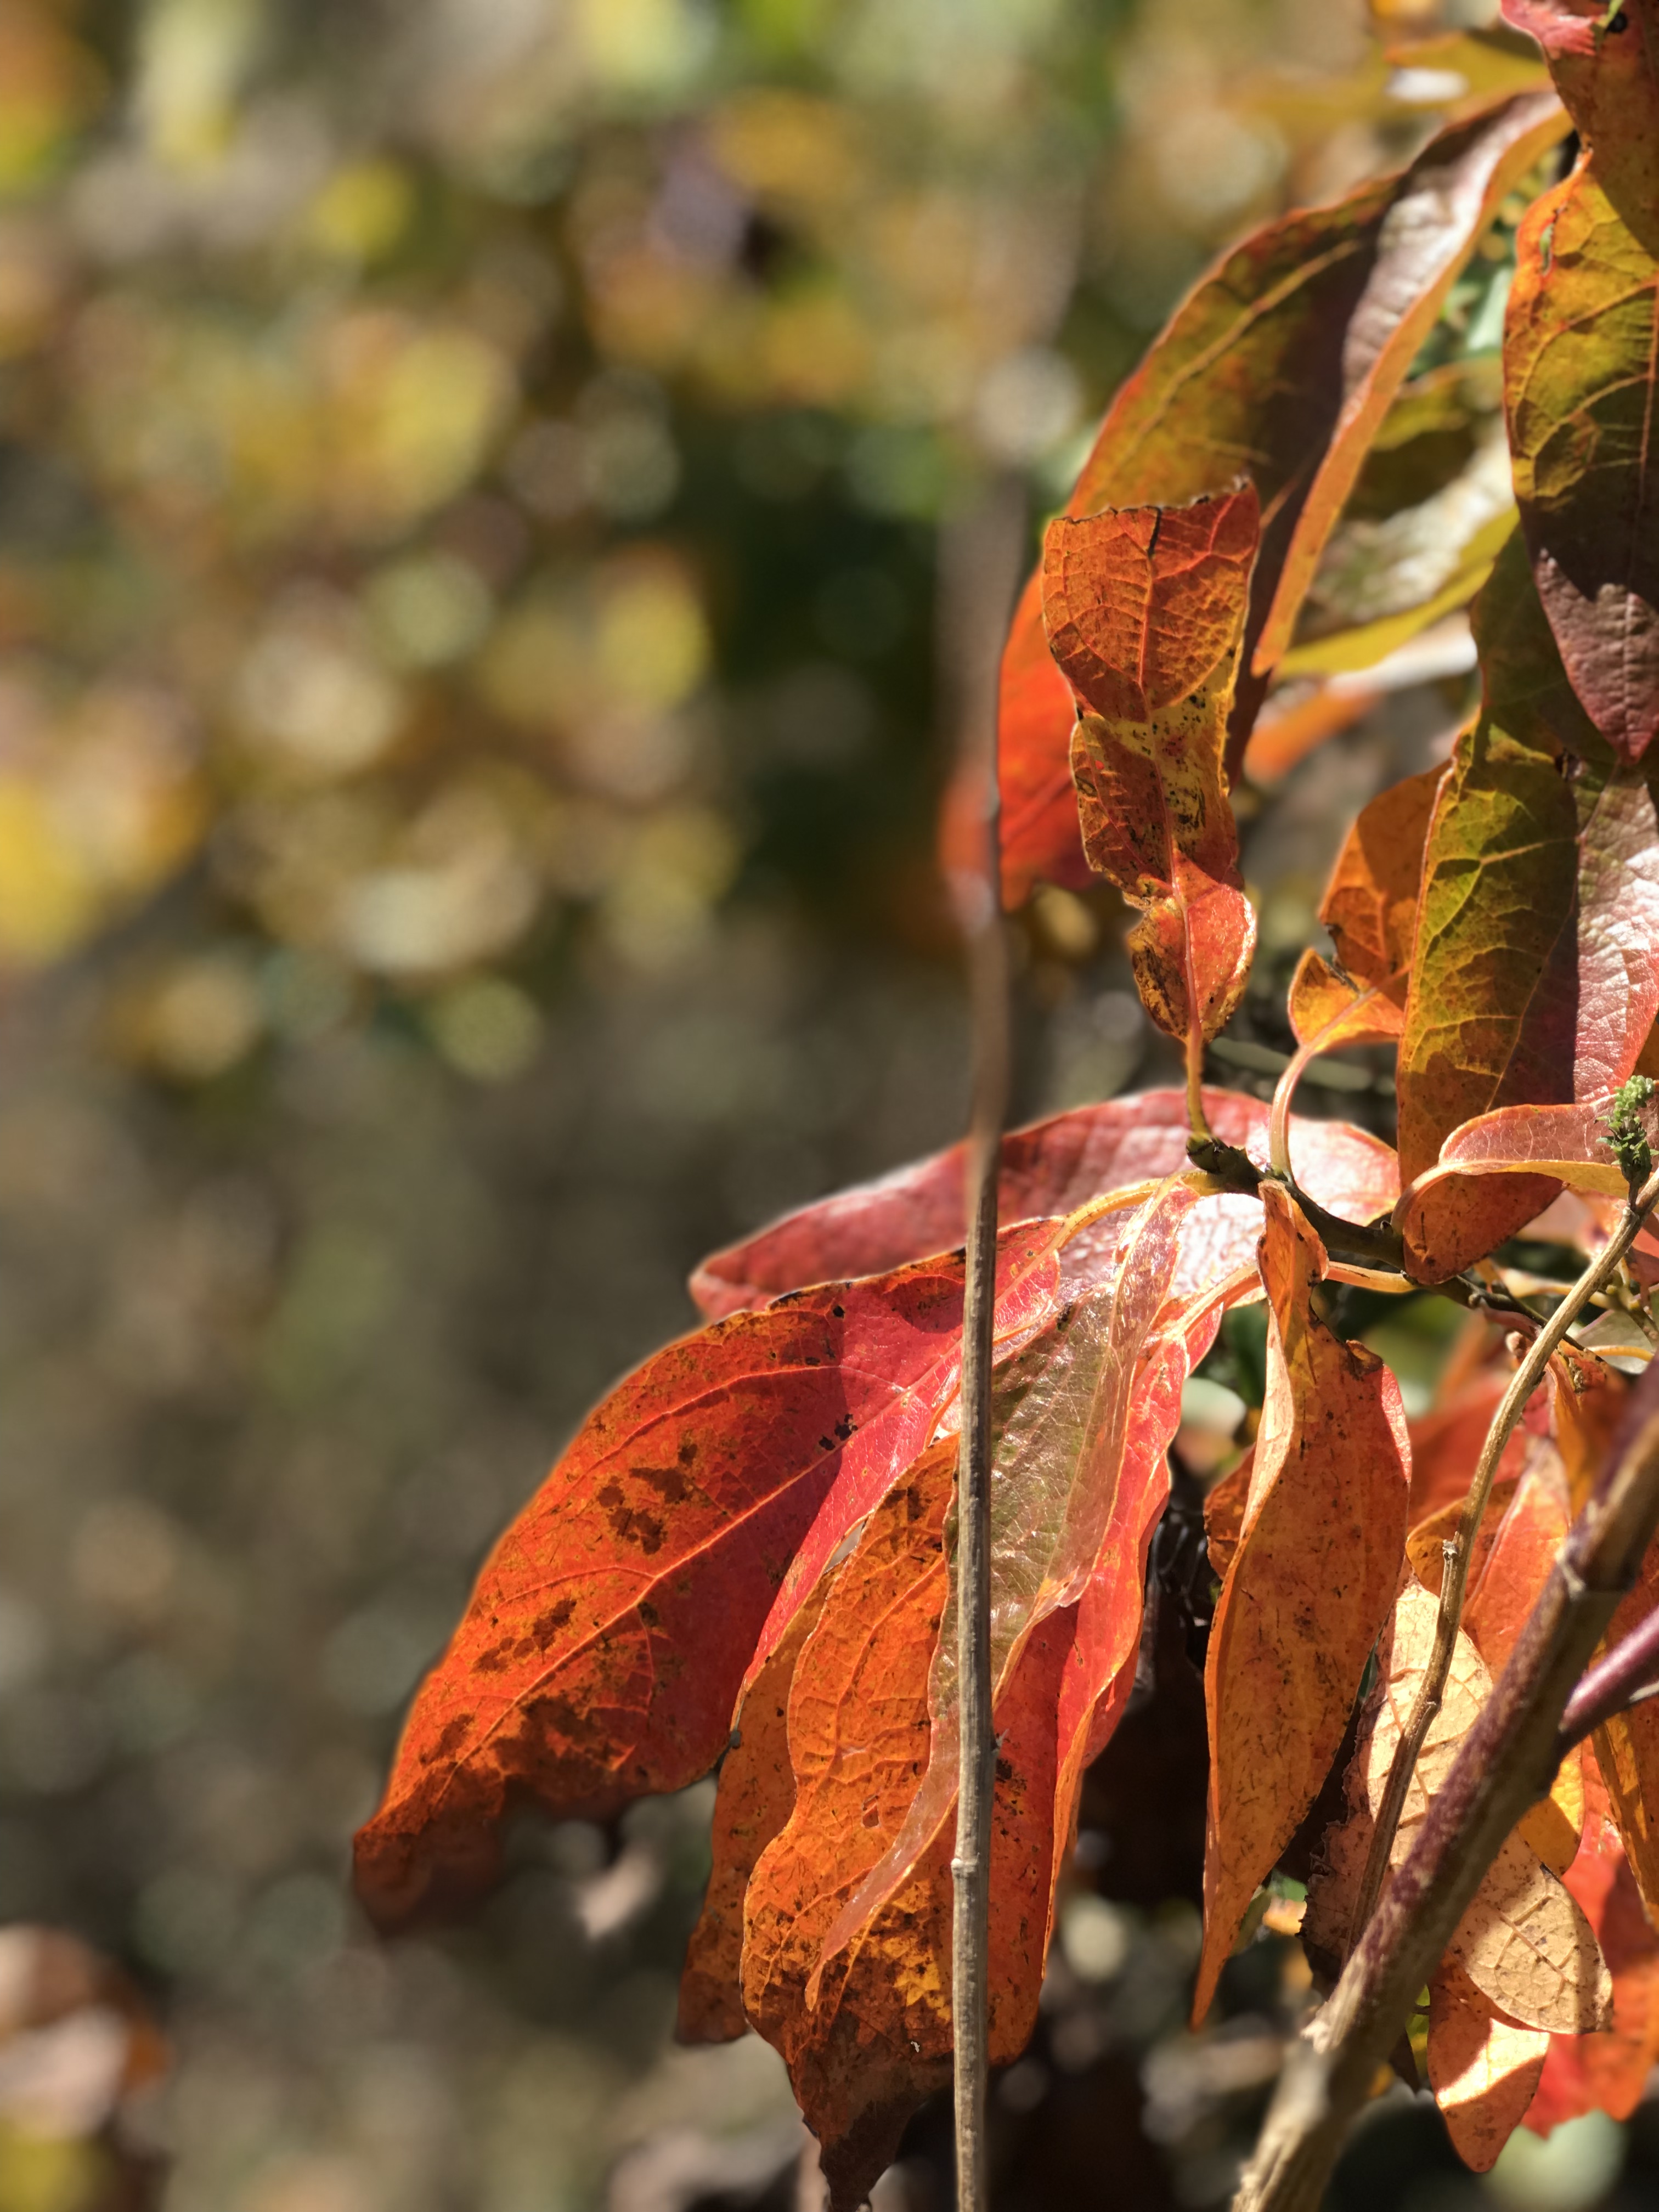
976, 590
1620, 1679
1506, 1762
1524, 1382
1374, 1245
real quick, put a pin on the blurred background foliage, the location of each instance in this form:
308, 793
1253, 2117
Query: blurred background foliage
470, 478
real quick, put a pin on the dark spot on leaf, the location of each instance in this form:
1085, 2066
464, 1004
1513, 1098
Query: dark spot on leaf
454, 1735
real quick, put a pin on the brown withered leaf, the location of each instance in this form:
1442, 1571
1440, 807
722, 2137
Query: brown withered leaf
1370, 906
1484, 2070
1310, 1585
1144, 610
1523, 1941
877, 2039
1535, 976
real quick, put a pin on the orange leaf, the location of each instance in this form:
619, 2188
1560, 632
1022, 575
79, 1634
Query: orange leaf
1223, 1515
1370, 906
1145, 608
877, 2040
1484, 2070
1310, 1584
1628, 1751
755, 1798
584, 1674
1606, 2071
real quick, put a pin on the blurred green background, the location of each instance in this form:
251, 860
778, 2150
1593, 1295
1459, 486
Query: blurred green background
470, 473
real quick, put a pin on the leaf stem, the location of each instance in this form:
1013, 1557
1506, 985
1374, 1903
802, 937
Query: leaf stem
1506, 1762
1278, 1120
978, 559
1523, 1383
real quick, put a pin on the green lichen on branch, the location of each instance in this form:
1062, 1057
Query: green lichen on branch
1627, 1132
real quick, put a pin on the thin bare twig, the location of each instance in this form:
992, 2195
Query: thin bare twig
1505, 1763
976, 587
1621, 1678
1525, 1381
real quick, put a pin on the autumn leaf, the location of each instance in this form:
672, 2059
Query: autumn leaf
1446, 1441
1144, 610
583, 1674
877, 2039
1100, 1670
1063, 1434
1370, 908
1247, 378
1535, 979
1446, 201
1523, 1941
1484, 2070
1506, 1578
1310, 1584
1040, 843
1606, 2071
1499, 1171
1580, 351
1627, 1753
1052, 1168
1403, 558
756, 1796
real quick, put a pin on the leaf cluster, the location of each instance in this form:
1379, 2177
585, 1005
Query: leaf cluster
745, 1556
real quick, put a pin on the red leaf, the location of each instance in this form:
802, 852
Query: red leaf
584, 1672
1144, 608
1500, 1171
1311, 1583
877, 2039
1052, 1168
